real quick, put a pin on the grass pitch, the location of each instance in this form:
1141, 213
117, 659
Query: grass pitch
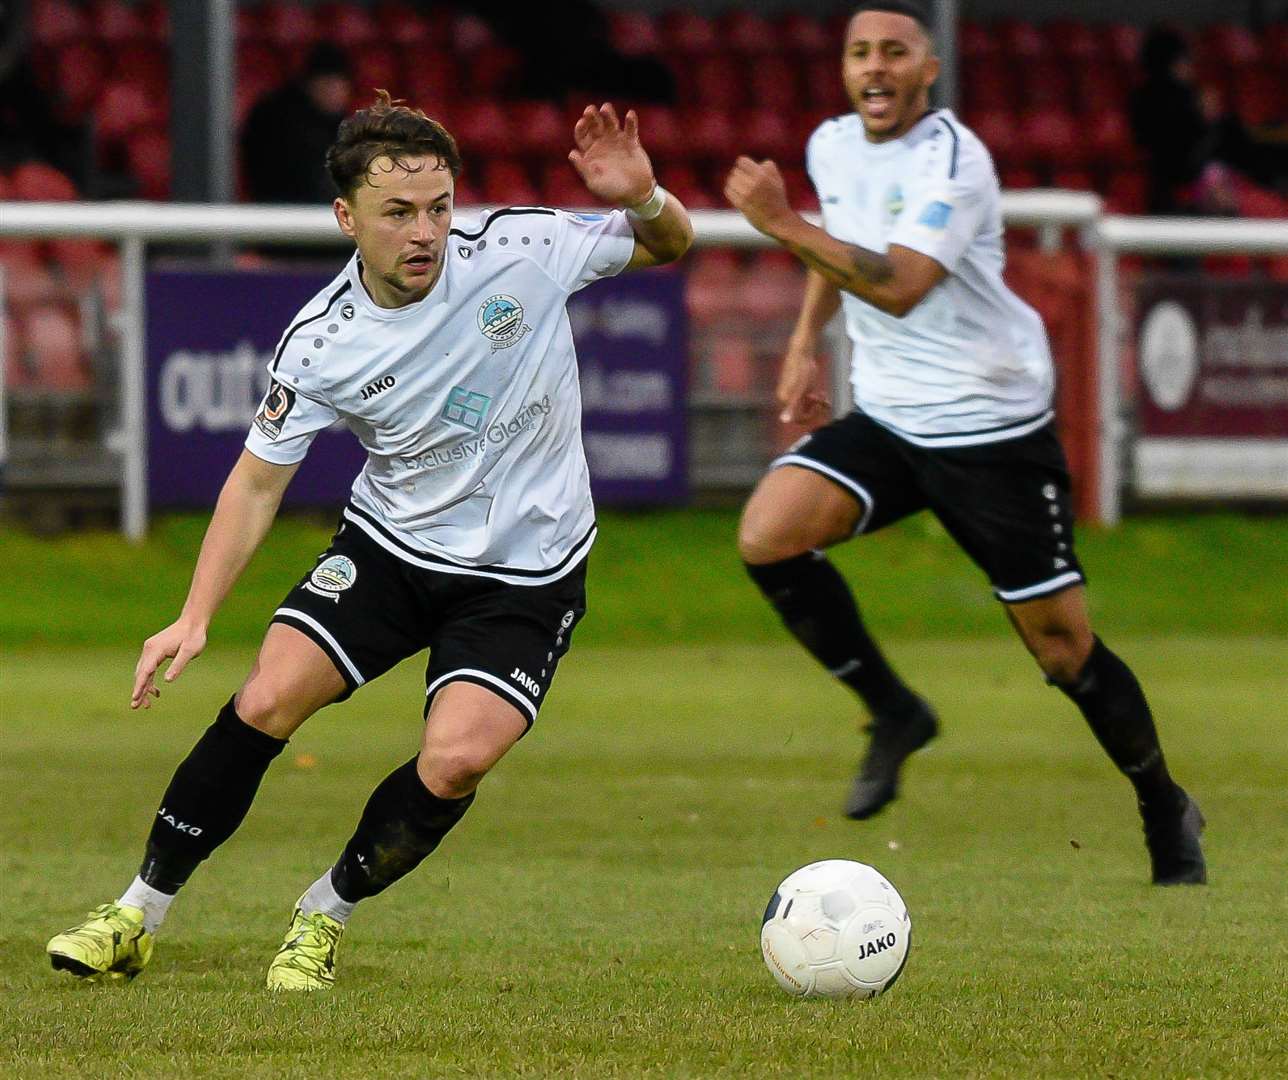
597, 912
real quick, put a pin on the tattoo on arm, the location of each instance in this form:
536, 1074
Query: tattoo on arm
865, 268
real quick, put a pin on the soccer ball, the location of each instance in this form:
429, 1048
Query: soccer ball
836, 929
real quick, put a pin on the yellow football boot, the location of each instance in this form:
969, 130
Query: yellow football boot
110, 944
306, 960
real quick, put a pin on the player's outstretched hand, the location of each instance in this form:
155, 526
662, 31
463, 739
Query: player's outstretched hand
756, 189
609, 157
178, 640
801, 403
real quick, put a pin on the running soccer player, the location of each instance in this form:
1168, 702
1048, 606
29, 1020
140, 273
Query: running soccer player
445, 347
953, 381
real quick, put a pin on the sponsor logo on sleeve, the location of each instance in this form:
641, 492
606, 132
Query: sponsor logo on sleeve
935, 215
277, 406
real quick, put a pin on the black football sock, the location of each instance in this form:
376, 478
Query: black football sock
403, 822
817, 606
207, 799
1114, 704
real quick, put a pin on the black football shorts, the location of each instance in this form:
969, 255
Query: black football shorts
1007, 504
368, 610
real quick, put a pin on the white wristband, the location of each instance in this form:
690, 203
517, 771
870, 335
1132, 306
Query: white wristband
650, 207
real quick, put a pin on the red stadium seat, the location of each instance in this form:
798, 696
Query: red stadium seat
53, 341
1127, 192
731, 366
718, 83
27, 277
429, 78
484, 127
713, 276
772, 82
249, 24
506, 183
490, 69
79, 262
766, 131
986, 84
682, 181
540, 129
748, 34
1260, 97
374, 67
1077, 41
1073, 180
660, 131
289, 22
1123, 40
1109, 138
34, 180
148, 155
347, 25
145, 64
470, 33
805, 35
1046, 83
1022, 42
634, 33
1236, 46
772, 286
1018, 177
561, 186
712, 135
688, 33
1276, 44
1097, 89
399, 23
976, 41
156, 14
123, 108
823, 87
1052, 137
115, 21
800, 191
998, 130
80, 69
57, 22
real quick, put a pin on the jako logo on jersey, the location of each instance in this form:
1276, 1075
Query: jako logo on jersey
500, 320
376, 386
277, 406
526, 681
466, 407
894, 202
182, 826
346, 311
332, 576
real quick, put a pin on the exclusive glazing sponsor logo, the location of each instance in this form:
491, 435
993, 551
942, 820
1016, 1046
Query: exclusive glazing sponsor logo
495, 437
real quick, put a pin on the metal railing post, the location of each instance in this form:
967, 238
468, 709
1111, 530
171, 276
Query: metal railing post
1108, 385
134, 448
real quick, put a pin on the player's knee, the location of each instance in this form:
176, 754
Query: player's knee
265, 707
1060, 653
452, 771
761, 540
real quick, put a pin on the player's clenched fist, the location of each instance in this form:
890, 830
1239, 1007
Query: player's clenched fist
756, 189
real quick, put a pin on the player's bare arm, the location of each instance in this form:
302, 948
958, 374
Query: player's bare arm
797, 390
894, 282
614, 166
246, 508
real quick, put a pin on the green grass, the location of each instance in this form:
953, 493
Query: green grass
597, 912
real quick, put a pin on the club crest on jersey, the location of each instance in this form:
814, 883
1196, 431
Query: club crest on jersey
500, 320
894, 202
278, 403
332, 576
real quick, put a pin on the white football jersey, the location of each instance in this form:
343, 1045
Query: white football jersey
467, 402
971, 362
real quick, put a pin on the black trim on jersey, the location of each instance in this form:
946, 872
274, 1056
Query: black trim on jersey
312, 318
496, 569
952, 165
978, 431
500, 214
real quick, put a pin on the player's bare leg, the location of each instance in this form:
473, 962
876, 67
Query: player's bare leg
793, 514
1057, 631
206, 800
468, 730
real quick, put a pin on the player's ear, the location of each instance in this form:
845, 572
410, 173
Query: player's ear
343, 216
931, 70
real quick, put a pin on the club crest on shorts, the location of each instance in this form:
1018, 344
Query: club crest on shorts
332, 576
500, 320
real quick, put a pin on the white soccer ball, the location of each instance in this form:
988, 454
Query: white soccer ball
836, 929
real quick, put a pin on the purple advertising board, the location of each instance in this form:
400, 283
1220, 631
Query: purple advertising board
211, 335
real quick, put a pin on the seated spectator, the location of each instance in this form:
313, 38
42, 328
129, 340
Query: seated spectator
286, 136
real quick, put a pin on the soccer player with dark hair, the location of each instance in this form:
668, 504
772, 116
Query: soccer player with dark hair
953, 384
445, 346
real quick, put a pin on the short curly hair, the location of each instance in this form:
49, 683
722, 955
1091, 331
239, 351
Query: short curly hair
387, 128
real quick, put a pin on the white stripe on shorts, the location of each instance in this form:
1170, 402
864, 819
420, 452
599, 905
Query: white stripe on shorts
528, 706
1040, 589
308, 620
869, 503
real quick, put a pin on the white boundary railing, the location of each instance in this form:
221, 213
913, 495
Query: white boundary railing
135, 225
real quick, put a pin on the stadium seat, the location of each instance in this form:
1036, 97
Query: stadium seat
148, 155
772, 82
122, 108
748, 34
53, 345
999, 131
249, 24
1046, 83
1077, 41
1052, 137
660, 131
800, 192
1073, 180
717, 82
1022, 42
986, 84
483, 127
1123, 41
1236, 46
1275, 44
690, 34
1127, 192
712, 135
28, 279
58, 22
540, 129
560, 186
766, 131
823, 87
347, 25
730, 367
805, 36
288, 22
115, 21
713, 278
976, 42
1260, 97
772, 286
37, 181
634, 33
506, 183
1098, 88
80, 69
490, 69
1018, 177
469, 33
145, 64
429, 77
1109, 138
375, 66
79, 262
684, 183
466, 194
